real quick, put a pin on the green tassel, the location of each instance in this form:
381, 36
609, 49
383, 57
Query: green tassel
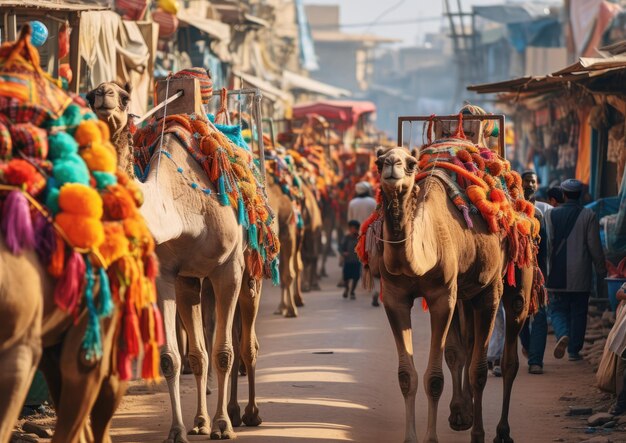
275, 272
300, 223
222, 192
241, 214
253, 240
106, 301
92, 342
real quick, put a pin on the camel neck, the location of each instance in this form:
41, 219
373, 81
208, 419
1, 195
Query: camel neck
410, 231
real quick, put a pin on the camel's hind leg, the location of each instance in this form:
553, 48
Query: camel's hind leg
226, 281
234, 411
516, 302
111, 393
441, 307
249, 307
485, 305
288, 272
208, 319
18, 364
461, 417
398, 311
190, 310
80, 382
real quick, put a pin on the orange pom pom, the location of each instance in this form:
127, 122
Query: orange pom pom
115, 245
82, 232
78, 199
99, 158
495, 168
497, 196
464, 156
88, 132
118, 203
104, 130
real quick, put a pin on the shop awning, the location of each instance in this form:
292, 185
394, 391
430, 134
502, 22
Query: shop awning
51, 5
291, 81
343, 113
211, 27
270, 91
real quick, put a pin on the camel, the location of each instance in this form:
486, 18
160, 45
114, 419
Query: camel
197, 239
444, 263
308, 279
289, 235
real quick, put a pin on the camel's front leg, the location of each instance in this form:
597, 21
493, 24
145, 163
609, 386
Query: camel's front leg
188, 292
226, 281
399, 314
485, 306
170, 356
456, 357
441, 307
288, 268
249, 307
111, 393
516, 302
234, 411
208, 319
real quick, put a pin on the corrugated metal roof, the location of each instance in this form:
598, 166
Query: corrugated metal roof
292, 80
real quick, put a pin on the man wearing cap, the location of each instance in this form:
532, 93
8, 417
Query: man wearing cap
573, 246
360, 208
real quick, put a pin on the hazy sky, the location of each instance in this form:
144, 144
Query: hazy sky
366, 11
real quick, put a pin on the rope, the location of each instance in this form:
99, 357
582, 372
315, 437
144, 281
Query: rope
167, 93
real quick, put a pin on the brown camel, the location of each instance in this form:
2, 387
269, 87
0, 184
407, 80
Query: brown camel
197, 240
290, 236
444, 263
308, 279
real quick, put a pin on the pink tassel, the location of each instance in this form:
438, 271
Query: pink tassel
510, 274
45, 238
68, 290
17, 225
152, 267
466, 215
159, 334
124, 368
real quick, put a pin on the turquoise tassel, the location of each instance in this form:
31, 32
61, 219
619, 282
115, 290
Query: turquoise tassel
222, 191
106, 301
229, 187
300, 223
253, 239
241, 214
275, 272
92, 342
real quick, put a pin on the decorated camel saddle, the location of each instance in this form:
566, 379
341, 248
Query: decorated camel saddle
479, 181
62, 195
228, 163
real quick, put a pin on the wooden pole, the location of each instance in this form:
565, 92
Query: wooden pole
75, 59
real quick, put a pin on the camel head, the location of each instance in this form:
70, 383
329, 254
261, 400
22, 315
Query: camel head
110, 103
397, 168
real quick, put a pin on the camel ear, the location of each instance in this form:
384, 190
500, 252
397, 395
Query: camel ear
91, 98
415, 152
128, 87
380, 151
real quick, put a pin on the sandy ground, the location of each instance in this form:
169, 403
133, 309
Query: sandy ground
330, 375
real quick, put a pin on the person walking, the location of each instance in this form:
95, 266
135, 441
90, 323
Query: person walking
359, 209
573, 235
351, 263
534, 333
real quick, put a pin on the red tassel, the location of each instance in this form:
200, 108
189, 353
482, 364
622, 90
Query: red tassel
215, 168
68, 289
150, 365
159, 333
424, 304
510, 273
124, 368
131, 331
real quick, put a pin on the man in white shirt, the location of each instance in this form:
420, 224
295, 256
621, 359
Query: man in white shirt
361, 206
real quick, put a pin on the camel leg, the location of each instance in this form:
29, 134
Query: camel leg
234, 411
208, 317
516, 309
456, 357
170, 356
226, 281
249, 307
111, 393
441, 307
190, 310
300, 278
288, 265
485, 306
399, 316
19, 364
183, 346
80, 384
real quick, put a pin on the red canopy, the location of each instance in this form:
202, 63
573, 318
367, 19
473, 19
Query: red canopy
343, 113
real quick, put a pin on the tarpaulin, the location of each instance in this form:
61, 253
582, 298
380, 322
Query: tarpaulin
583, 162
343, 113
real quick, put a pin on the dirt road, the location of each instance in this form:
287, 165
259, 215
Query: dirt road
330, 375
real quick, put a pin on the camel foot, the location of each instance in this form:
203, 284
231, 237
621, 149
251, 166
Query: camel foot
478, 437
460, 419
242, 370
222, 430
316, 287
208, 390
176, 435
299, 303
234, 413
201, 426
251, 417
323, 273
306, 288
290, 314
503, 434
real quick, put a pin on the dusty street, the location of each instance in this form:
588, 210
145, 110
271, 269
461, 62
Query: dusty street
330, 375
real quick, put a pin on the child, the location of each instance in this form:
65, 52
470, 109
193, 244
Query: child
351, 263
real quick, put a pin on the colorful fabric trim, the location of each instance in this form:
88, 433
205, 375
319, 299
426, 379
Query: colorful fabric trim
66, 199
235, 177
